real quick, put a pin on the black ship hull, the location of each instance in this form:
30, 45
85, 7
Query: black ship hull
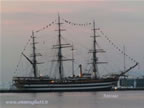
47, 85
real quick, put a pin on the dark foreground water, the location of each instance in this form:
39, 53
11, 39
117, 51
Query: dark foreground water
117, 99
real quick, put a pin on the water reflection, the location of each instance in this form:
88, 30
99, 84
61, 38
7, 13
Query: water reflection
119, 99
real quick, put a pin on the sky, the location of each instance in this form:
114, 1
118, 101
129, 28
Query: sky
121, 21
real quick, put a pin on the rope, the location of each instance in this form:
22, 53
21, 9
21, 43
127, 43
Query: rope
75, 24
21, 55
46, 27
117, 48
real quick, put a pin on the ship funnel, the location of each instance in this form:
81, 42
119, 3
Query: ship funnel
80, 66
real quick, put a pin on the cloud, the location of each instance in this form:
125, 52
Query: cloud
34, 7
125, 10
9, 22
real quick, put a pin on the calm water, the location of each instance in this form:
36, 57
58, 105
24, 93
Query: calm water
117, 99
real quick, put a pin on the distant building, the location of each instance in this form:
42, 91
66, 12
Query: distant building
140, 82
131, 82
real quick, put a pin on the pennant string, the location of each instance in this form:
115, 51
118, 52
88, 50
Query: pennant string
75, 24
109, 40
45, 27
21, 55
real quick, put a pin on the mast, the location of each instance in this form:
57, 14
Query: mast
95, 68
124, 58
33, 62
94, 52
34, 55
60, 49
73, 61
60, 46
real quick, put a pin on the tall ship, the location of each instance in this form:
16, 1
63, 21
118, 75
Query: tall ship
83, 82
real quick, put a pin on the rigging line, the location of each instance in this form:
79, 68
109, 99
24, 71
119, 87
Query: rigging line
51, 68
87, 61
86, 68
53, 57
21, 54
56, 70
26, 44
84, 29
75, 24
66, 40
78, 53
90, 69
75, 42
130, 58
77, 29
76, 70
45, 27
107, 59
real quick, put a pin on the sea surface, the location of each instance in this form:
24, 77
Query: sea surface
112, 99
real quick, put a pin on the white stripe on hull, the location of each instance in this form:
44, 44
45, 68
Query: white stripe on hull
69, 89
68, 85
